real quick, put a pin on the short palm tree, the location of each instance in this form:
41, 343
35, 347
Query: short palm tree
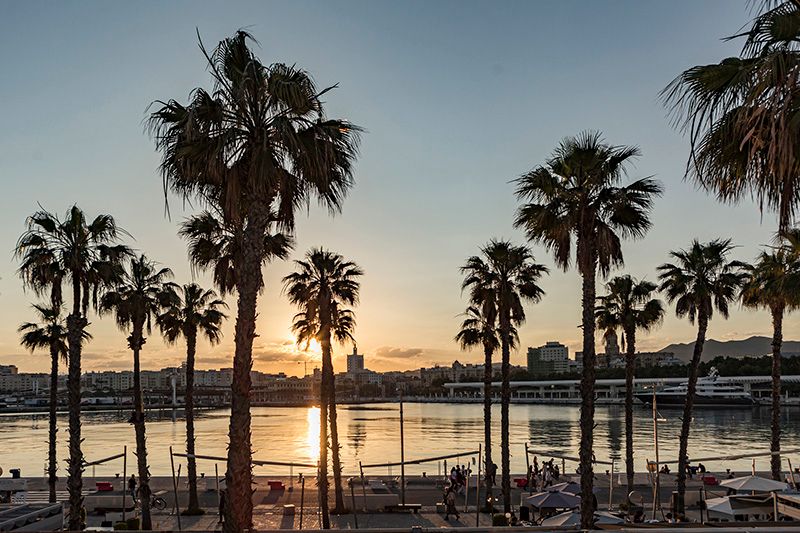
740, 115
627, 307
499, 281
49, 333
479, 329
700, 281
87, 254
187, 312
771, 283
575, 195
322, 286
257, 144
135, 302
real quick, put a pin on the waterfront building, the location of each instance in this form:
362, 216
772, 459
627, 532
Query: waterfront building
355, 362
552, 358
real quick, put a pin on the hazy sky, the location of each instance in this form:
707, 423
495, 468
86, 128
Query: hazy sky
457, 99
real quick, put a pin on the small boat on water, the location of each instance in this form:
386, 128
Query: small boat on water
710, 393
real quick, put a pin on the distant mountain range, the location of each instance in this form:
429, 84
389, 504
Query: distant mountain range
754, 346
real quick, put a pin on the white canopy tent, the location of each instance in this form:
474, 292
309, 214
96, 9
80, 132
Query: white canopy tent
754, 484
573, 518
553, 499
732, 506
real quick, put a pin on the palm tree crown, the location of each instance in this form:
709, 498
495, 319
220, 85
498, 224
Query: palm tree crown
324, 280
575, 193
258, 138
773, 281
216, 245
477, 330
53, 250
191, 309
49, 331
140, 295
702, 279
740, 115
628, 306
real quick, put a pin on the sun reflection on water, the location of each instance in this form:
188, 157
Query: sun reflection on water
312, 433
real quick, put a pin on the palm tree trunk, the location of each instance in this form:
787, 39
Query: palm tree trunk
335, 451
586, 450
487, 422
136, 342
239, 475
191, 467
322, 481
75, 324
505, 402
52, 461
630, 371
691, 389
775, 441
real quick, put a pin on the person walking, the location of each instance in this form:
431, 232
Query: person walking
450, 504
132, 487
222, 506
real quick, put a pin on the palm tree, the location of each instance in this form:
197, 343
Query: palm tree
196, 310
629, 307
740, 116
575, 194
257, 145
771, 283
701, 280
135, 302
50, 333
478, 329
88, 255
322, 286
498, 283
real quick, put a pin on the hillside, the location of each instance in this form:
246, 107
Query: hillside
753, 346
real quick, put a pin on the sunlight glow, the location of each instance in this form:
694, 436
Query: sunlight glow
312, 434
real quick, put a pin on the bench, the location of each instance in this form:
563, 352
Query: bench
414, 507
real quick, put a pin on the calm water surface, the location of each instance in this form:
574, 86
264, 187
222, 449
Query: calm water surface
371, 434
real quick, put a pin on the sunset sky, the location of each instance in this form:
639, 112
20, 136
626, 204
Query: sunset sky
457, 98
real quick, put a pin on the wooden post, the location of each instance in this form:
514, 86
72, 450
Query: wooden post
302, 497
363, 485
124, 478
175, 487
402, 457
795, 483
353, 499
216, 479
478, 490
466, 492
611, 486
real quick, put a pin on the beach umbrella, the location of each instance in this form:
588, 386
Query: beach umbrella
573, 518
553, 499
567, 486
754, 484
570, 486
739, 505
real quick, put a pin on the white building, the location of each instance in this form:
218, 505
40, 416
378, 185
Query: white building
552, 358
355, 362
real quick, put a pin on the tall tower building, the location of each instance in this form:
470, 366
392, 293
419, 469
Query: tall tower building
355, 362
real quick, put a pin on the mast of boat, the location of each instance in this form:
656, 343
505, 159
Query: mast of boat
657, 484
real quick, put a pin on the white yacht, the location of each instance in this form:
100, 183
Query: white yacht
710, 393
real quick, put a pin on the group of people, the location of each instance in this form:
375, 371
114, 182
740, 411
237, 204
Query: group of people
548, 473
457, 481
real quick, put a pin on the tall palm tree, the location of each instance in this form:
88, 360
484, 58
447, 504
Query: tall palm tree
700, 281
575, 194
478, 329
629, 307
257, 144
87, 254
771, 283
740, 115
50, 333
498, 282
135, 302
187, 312
322, 286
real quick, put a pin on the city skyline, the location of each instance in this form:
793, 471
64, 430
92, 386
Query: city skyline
430, 185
